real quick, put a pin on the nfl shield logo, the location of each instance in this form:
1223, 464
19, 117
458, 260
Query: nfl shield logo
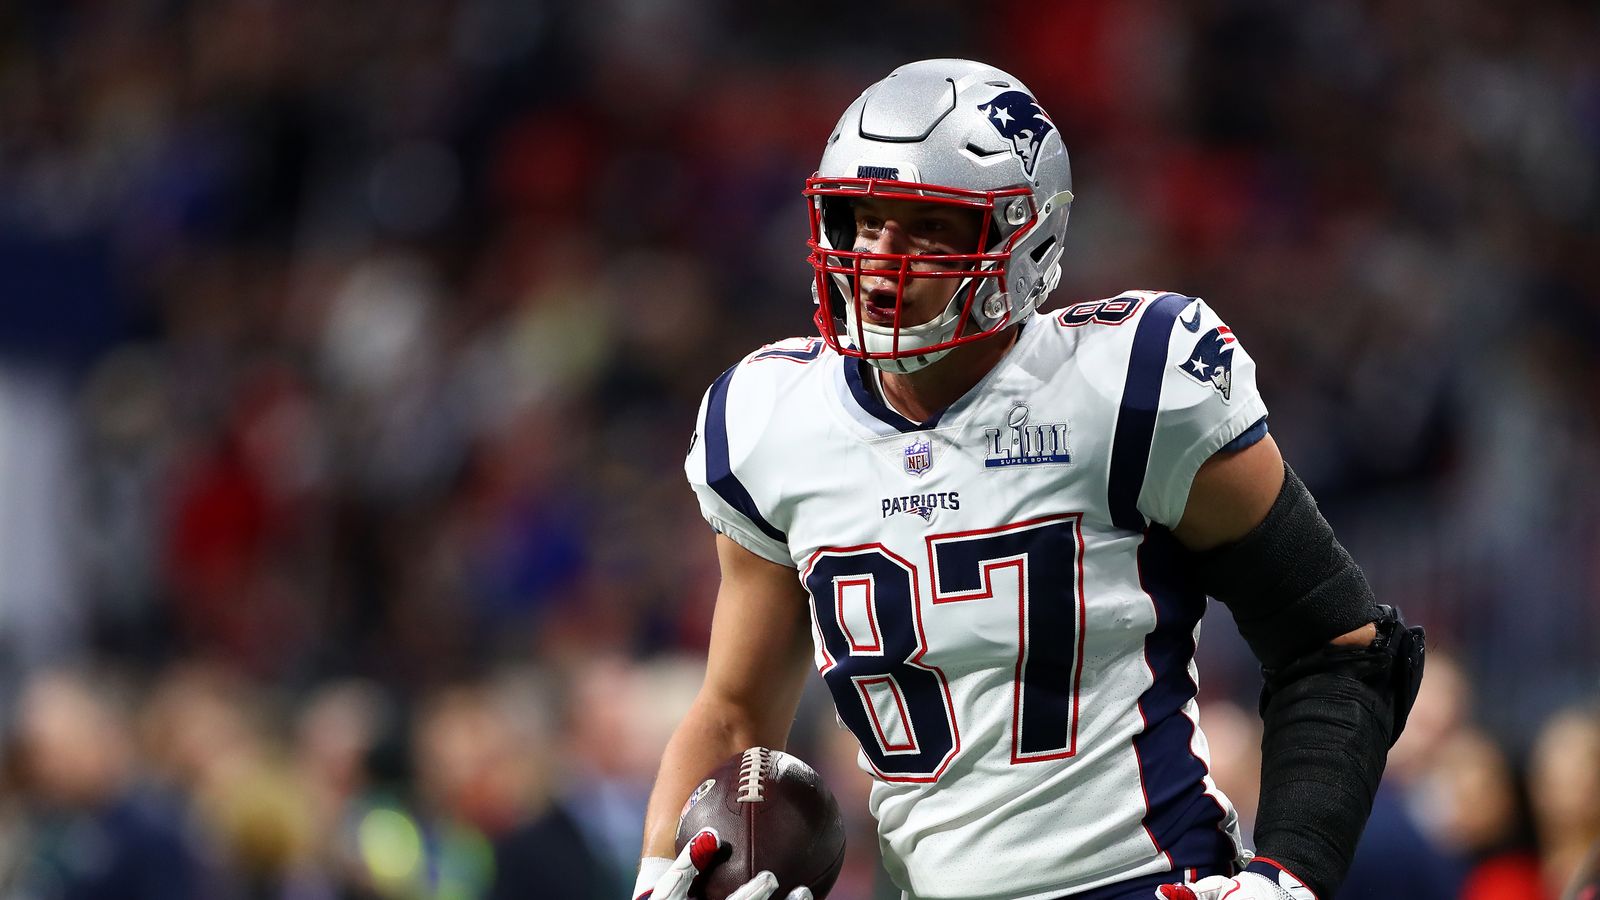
919, 457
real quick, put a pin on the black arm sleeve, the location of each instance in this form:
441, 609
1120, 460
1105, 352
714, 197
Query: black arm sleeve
1329, 720
1330, 713
1289, 584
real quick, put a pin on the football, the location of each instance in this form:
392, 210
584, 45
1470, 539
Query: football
773, 814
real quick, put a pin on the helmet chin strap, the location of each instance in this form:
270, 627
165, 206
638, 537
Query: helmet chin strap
882, 340
905, 365
935, 329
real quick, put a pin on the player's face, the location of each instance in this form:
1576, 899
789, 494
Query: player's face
915, 228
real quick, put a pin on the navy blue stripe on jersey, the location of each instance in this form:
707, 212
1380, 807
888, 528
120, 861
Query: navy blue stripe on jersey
1247, 438
1145, 886
1182, 819
1136, 419
719, 472
855, 375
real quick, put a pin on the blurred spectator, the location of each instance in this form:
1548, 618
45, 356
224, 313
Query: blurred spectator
94, 830
1564, 787
1396, 859
1402, 852
207, 734
338, 731
545, 851
1486, 820
1439, 715
618, 716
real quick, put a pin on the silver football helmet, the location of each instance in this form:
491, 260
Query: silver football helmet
947, 131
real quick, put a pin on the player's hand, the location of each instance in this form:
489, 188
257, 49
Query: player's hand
669, 879
1243, 886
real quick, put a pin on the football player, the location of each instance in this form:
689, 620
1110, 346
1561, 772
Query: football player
993, 534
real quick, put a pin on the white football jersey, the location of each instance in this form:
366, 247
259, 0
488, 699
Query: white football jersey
996, 610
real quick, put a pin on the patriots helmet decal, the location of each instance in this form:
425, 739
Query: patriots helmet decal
1211, 361
1018, 118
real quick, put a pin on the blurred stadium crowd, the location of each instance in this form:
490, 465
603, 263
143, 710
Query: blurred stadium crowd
348, 352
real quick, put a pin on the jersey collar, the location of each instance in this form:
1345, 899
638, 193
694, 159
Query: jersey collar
868, 408
856, 377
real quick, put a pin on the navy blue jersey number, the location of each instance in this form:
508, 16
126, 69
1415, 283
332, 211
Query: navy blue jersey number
897, 707
869, 613
1047, 555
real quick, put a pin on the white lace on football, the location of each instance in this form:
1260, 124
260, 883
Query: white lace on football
751, 768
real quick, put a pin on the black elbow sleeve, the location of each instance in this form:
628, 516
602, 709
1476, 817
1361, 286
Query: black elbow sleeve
1292, 588
1331, 712
1289, 584
1330, 718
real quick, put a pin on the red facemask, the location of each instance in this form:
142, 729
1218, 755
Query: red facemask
839, 271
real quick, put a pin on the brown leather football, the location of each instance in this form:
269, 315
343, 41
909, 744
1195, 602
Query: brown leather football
773, 814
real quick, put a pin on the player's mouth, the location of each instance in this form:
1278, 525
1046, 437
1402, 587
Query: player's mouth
878, 305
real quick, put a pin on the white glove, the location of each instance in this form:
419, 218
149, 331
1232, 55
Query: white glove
669, 879
1243, 886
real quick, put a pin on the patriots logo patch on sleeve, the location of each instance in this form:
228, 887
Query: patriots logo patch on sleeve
1211, 361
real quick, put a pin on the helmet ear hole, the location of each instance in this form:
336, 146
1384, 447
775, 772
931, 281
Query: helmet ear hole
994, 237
838, 222
837, 301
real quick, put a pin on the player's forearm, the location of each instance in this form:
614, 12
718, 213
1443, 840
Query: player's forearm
1341, 673
1323, 750
709, 733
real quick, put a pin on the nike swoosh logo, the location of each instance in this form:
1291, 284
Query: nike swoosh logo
1192, 324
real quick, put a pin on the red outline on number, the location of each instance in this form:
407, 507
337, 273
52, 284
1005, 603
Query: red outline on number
1138, 301
987, 592
915, 659
1133, 304
872, 617
872, 713
773, 351
1061, 317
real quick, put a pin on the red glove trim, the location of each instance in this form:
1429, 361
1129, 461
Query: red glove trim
702, 847
1281, 868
